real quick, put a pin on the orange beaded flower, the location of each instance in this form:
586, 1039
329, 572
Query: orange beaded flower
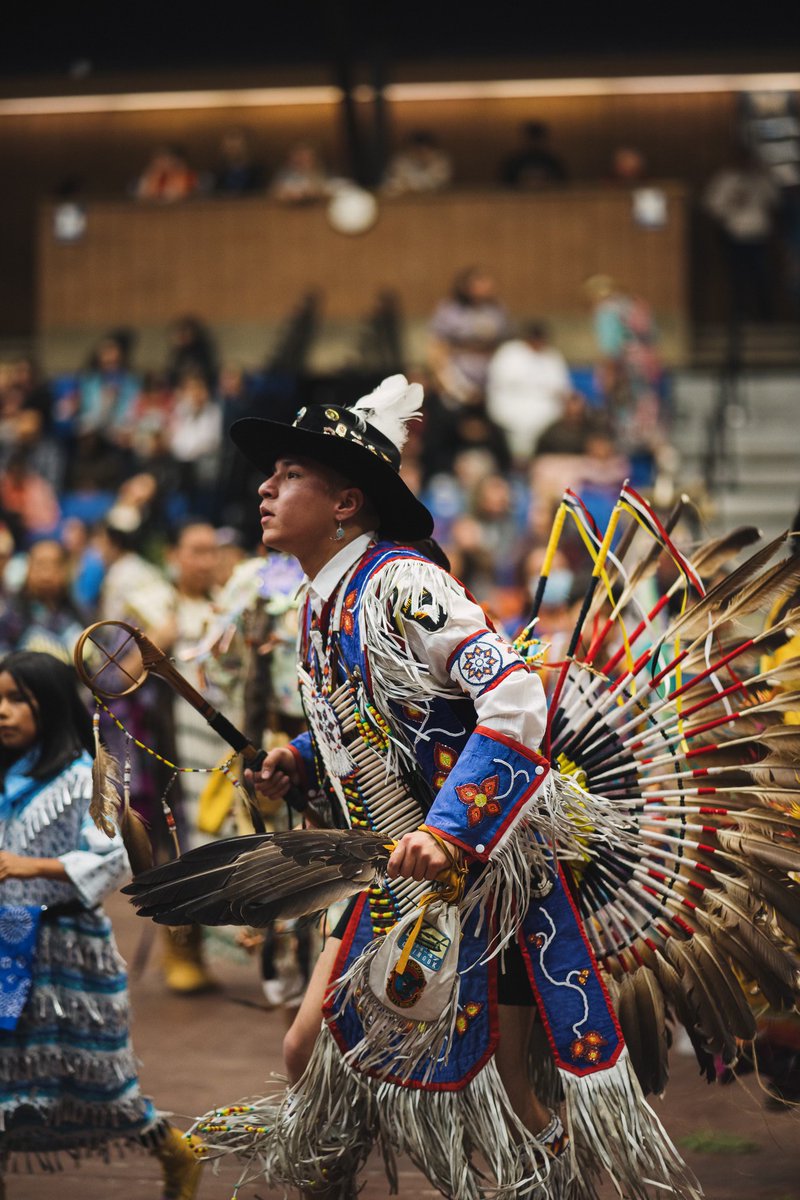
480, 799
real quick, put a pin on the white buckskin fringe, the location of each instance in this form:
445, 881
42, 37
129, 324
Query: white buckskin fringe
321, 1132
612, 1127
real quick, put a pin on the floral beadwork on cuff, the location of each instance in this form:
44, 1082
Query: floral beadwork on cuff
480, 799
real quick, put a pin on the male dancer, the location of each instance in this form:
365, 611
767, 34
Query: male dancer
425, 725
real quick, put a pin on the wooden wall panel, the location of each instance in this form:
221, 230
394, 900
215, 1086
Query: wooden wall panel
250, 260
684, 137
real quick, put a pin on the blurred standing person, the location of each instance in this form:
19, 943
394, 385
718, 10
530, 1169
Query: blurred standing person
192, 561
26, 417
420, 165
302, 178
194, 442
527, 384
534, 165
743, 199
465, 330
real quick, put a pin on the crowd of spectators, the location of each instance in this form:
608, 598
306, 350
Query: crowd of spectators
113, 452
420, 163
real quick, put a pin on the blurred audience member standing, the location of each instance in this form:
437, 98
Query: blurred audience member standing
466, 329
420, 165
167, 176
743, 199
534, 165
527, 384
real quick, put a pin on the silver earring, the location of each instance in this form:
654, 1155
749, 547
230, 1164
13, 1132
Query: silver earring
338, 536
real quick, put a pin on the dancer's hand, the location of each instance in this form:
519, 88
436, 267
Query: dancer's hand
418, 856
278, 773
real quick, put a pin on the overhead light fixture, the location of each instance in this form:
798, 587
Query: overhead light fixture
400, 93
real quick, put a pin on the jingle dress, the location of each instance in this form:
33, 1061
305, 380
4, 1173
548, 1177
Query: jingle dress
68, 1077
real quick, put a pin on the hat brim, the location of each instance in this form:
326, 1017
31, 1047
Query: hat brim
402, 515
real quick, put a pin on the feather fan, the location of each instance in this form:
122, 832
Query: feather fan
711, 556
255, 879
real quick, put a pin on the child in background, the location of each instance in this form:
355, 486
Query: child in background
68, 1079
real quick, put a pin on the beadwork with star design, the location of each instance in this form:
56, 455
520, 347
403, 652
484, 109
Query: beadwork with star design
480, 663
480, 799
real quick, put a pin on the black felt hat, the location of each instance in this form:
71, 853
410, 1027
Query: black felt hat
363, 443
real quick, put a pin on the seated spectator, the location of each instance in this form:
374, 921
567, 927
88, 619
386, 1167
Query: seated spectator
558, 461
603, 470
528, 382
150, 417
167, 176
85, 566
237, 173
628, 165
534, 165
42, 615
569, 432
27, 500
107, 391
191, 348
26, 411
559, 607
630, 373
466, 329
302, 178
420, 165
194, 441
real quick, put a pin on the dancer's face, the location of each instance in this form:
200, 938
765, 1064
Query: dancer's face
301, 505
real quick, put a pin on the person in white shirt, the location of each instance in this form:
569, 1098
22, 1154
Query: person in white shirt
527, 385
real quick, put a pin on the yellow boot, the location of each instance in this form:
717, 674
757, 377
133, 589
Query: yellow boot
181, 1164
185, 971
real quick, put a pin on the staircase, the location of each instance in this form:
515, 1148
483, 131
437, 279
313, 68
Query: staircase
739, 445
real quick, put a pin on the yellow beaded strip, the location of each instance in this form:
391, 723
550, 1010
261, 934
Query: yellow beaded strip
224, 767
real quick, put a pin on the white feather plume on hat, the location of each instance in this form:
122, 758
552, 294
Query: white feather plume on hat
391, 406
